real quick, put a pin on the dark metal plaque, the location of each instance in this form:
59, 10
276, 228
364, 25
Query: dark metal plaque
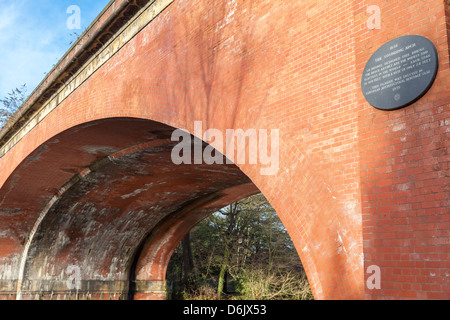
400, 72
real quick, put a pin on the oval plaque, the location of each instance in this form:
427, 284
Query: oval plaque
400, 72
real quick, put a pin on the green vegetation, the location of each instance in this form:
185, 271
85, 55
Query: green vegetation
241, 252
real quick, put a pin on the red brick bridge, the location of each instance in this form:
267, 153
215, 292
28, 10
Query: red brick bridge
88, 188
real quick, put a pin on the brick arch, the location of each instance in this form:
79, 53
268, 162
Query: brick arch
154, 77
64, 166
97, 218
152, 258
307, 231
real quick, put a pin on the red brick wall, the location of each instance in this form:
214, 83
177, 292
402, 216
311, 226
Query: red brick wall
404, 164
348, 173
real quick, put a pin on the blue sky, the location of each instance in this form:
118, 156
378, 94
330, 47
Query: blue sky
34, 36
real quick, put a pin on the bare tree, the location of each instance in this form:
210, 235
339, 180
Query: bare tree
242, 251
232, 215
10, 104
188, 262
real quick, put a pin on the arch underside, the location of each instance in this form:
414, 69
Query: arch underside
108, 188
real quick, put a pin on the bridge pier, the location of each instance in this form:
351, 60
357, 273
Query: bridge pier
151, 290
